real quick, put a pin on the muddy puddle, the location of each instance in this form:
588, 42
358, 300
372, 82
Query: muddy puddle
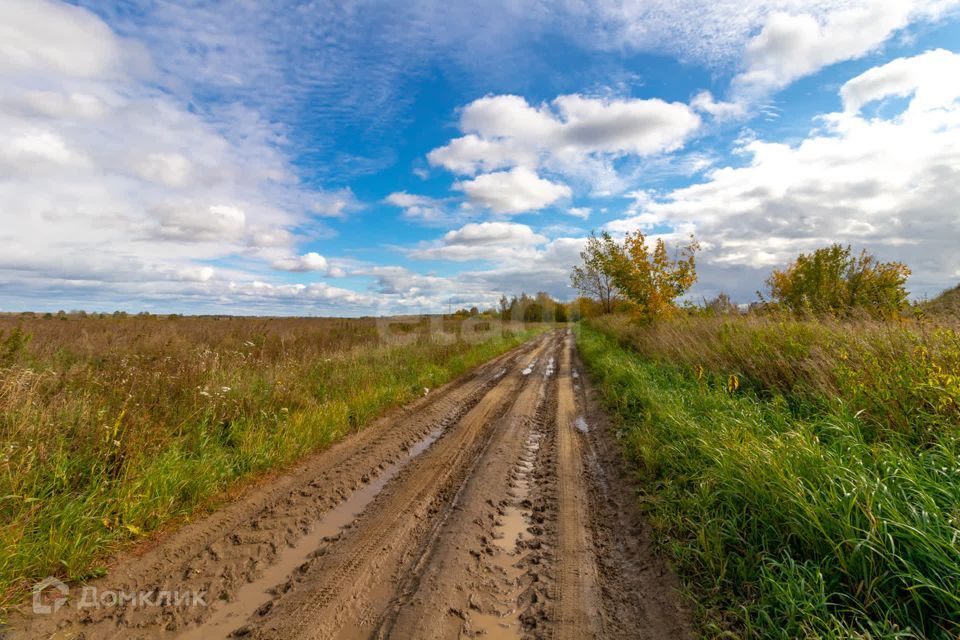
551, 368
494, 627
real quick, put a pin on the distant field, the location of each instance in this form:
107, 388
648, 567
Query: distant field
804, 476
114, 426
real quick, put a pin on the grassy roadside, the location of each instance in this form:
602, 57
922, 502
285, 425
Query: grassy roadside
112, 428
787, 514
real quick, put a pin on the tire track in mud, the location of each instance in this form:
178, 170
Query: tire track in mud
498, 506
575, 572
637, 590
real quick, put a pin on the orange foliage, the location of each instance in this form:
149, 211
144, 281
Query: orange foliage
652, 282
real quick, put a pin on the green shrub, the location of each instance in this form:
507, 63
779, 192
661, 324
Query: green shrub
832, 281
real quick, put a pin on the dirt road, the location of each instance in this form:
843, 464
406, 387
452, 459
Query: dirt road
492, 507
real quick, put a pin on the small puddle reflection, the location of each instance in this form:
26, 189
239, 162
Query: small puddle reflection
551, 368
493, 626
230, 615
530, 367
512, 526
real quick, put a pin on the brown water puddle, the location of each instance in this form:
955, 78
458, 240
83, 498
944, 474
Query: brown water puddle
493, 626
230, 615
511, 527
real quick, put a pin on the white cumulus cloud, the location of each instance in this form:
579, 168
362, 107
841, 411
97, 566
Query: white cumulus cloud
516, 191
52, 36
482, 241
573, 135
311, 261
797, 43
419, 208
929, 76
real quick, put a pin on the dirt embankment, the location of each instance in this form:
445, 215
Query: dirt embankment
493, 507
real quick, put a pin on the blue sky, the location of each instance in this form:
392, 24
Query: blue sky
353, 158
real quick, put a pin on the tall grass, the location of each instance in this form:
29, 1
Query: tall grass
113, 427
788, 513
898, 377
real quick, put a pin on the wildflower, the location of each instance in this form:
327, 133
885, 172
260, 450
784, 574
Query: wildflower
733, 383
225, 389
204, 392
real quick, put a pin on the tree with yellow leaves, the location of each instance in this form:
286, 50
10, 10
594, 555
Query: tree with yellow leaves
834, 281
652, 281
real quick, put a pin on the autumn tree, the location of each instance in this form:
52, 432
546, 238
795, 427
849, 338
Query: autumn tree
594, 278
583, 307
833, 281
651, 280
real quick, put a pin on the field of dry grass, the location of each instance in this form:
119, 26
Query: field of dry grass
113, 427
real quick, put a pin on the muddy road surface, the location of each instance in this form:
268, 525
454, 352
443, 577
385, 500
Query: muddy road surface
494, 507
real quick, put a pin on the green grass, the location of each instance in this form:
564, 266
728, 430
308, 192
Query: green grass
788, 517
105, 444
